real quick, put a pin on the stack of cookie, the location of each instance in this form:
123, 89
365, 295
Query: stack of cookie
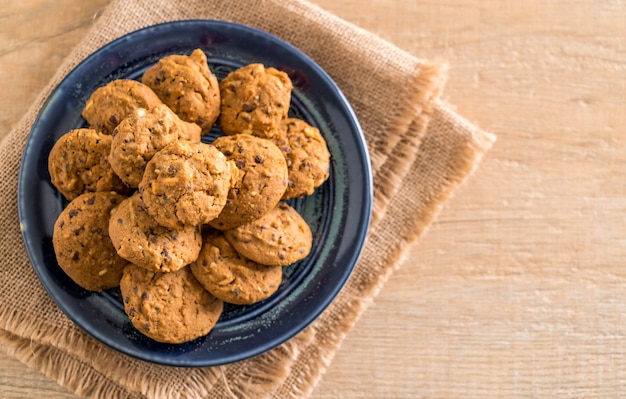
182, 226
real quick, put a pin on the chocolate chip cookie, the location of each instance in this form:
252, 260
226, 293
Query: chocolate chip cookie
231, 277
187, 86
254, 100
168, 307
141, 135
262, 179
186, 183
307, 156
110, 104
78, 163
142, 241
280, 238
82, 245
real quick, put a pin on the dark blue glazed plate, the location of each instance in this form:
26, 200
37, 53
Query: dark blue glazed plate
338, 212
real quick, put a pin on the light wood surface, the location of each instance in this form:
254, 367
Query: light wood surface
519, 288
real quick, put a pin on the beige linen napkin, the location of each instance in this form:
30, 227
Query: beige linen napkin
421, 152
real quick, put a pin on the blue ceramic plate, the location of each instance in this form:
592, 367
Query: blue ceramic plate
338, 212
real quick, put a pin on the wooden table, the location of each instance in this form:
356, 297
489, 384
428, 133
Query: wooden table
519, 288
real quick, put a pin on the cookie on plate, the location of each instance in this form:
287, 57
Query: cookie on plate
142, 241
262, 179
168, 307
110, 104
255, 100
82, 245
231, 277
141, 135
281, 237
78, 163
307, 156
187, 86
186, 183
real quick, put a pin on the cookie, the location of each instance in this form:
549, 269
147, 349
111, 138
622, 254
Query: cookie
255, 100
186, 183
307, 156
279, 238
110, 104
142, 241
187, 86
141, 135
231, 277
262, 179
168, 307
78, 163
82, 245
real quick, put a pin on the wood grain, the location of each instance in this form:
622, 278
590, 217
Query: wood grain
518, 290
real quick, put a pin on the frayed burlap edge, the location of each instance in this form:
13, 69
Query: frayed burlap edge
62, 367
426, 87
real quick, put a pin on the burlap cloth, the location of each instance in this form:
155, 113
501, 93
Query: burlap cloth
421, 152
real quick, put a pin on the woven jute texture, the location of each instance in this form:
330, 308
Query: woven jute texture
421, 151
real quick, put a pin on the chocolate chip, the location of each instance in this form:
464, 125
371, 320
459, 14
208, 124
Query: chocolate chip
160, 78
90, 200
258, 159
204, 262
113, 119
131, 311
248, 107
75, 256
73, 212
172, 170
120, 221
166, 255
78, 230
228, 153
236, 291
147, 326
61, 224
145, 296
240, 164
115, 132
